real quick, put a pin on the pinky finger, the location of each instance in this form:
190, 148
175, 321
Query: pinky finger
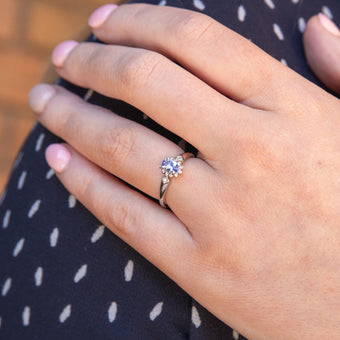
156, 233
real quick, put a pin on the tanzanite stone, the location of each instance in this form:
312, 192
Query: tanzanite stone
170, 166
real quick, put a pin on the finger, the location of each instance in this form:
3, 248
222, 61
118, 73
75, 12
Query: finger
124, 148
163, 90
217, 55
153, 231
322, 47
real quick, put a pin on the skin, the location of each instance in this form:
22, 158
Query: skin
253, 231
322, 51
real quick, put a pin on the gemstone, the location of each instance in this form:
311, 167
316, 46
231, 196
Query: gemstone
171, 167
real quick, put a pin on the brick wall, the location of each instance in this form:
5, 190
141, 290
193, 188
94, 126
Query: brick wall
28, 31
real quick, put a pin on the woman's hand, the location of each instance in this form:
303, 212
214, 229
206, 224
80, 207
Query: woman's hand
253, 232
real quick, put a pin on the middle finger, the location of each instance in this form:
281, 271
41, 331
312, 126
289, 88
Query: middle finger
166, 92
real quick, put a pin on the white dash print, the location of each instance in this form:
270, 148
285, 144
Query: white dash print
50, 174
18, 247
128, 271
39, 142
270, 4
54, 237
21, 180
3, 196
18, 159
26, 315
38, 276
236, 335
6, 219
88, 94
241, 13
327, 12
162, 3
156, 311
278, 31
98, 234
58, 81
72, 201
195, 317
302, 24
36, 123
199, 5
80, 273
284, 61
6, 287
112, 312
34, 208
65, 314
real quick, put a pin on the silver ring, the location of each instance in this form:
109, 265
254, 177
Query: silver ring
171, 167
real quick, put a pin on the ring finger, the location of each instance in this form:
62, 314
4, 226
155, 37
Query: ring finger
124, 148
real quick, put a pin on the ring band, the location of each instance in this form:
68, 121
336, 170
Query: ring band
171, 167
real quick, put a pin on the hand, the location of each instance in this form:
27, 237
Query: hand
253, 232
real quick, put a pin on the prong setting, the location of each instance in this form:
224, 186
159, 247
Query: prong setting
172, 166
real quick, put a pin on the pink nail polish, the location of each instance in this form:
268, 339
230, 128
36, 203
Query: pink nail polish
98, 17
39, 96
61, 52
57, 157
328, 24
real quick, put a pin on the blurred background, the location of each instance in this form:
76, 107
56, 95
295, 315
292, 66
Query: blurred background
29, 29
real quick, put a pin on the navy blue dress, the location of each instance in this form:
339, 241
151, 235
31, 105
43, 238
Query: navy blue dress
63, 275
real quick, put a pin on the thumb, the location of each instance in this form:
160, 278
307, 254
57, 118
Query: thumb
321, 41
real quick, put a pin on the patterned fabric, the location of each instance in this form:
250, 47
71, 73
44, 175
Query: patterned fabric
64, 275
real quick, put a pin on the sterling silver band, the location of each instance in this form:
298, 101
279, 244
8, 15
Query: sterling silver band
171, 167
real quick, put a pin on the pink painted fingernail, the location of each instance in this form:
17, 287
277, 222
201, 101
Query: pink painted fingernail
328, 24
39, 96
61, 52
57, 157
98, 17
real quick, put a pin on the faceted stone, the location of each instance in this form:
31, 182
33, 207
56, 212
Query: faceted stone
171, 166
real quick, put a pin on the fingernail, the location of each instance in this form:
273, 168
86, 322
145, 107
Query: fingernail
328, 24
57, 157
39, 96
61, 52
98, 17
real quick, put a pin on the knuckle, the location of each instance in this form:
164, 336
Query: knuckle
263, 154
95, 58
85, 188
121, 216
319, 108
117, 144
254, 150
63, 124
136, 69
61, 111
194, 26
222, 259
115, 214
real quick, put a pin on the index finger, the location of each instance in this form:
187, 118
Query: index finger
219, 56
